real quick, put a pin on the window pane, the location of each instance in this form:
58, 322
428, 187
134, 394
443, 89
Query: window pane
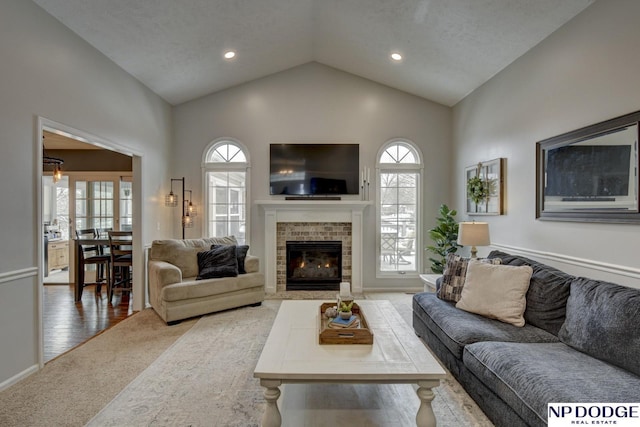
398, 210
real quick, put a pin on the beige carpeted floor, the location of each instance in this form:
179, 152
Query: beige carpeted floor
71, 389
158, 375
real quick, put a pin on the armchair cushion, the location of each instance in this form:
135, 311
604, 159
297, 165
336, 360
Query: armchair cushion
220, 261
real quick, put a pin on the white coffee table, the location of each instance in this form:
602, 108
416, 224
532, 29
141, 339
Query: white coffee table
292, 354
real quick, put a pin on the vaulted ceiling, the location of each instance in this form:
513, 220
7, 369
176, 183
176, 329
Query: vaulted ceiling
448, 47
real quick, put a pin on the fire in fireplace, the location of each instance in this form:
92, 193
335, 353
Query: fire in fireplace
315, 265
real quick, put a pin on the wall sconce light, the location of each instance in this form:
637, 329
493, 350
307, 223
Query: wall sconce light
473, 234
188, 209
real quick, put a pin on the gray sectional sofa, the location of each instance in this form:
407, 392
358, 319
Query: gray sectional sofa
580, 343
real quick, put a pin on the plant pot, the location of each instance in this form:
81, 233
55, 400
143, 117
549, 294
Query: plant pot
346, 315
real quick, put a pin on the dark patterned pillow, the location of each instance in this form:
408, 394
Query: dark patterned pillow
241, 254
454, 274
220, 261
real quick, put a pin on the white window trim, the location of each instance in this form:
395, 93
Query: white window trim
395, 167
228, 167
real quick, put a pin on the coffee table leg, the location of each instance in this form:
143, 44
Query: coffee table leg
271, 416
426, 417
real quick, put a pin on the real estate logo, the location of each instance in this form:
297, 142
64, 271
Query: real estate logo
593, 414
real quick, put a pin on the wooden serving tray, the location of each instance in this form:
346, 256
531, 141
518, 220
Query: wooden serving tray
358, 335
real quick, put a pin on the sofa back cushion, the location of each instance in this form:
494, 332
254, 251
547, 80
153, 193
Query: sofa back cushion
547, 294
184, 253
602, 321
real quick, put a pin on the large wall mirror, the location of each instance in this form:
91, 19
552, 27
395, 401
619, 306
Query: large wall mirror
590, 174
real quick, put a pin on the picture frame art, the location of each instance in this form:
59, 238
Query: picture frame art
484, 188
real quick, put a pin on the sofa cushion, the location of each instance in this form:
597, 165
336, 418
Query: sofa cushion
457, 328
496, 291
241, 255
219, 261
603, 321
190, 288
453, 277
547, 294
528, 376
183, 253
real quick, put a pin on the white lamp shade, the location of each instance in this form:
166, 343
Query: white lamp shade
473, 234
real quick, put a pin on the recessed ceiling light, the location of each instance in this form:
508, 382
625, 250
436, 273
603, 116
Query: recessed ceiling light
230, 54
396, 56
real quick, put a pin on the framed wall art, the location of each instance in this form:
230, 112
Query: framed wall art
485, 185
590, 174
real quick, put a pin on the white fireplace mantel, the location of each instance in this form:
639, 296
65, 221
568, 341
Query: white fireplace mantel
280, 210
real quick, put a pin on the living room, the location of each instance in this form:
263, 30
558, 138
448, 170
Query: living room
580, 75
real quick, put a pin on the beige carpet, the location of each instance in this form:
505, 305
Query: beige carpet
72, 388
196, 375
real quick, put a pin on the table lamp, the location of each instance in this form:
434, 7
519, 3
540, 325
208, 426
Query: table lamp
473, 234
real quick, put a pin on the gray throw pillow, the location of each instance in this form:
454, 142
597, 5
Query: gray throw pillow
454, 275
602, 321
547, 294
220, 261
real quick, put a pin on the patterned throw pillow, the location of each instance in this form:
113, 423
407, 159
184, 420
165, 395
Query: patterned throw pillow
220, 261
454, 274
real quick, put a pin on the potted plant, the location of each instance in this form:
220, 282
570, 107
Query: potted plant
345, 310
445, 238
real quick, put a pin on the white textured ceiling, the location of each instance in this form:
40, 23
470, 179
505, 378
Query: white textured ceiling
450, 47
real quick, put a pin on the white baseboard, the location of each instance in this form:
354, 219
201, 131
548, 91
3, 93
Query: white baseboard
19, 377
412, 290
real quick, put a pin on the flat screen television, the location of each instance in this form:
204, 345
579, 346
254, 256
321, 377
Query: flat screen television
588, 171
314, 169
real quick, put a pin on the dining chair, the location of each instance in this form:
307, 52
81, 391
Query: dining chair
92, 255
121, 253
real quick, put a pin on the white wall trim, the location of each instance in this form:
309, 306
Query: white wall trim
19, 377
621, 270
10, 276
408, 290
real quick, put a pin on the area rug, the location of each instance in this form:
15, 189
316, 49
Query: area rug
206, 379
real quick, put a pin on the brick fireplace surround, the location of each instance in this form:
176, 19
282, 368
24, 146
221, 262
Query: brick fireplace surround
312, 220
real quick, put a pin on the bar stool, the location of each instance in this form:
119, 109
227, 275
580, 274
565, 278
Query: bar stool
121, 253
92, 255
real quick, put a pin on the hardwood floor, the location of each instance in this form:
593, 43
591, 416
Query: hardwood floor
67, 324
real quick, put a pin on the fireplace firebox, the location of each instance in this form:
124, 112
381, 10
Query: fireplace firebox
314, 265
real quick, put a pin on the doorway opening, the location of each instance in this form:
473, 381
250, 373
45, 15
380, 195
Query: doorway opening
96, 190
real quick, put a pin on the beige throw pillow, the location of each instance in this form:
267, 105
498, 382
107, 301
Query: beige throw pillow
454, 275
496, 291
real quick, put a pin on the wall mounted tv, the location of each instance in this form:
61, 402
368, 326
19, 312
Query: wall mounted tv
314, 169
588, 171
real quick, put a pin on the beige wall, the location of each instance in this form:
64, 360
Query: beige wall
315, 103
584, 73
48, 71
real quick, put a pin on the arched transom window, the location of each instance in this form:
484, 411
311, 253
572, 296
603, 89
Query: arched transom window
225, 175
399, 169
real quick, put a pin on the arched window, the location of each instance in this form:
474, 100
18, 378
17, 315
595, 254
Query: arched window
225, 168
399, 169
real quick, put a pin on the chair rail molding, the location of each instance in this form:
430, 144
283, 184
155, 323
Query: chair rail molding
10, 276
604, 267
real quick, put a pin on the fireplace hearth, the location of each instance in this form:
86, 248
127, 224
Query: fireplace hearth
314, 265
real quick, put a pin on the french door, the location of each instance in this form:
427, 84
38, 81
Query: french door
100, 201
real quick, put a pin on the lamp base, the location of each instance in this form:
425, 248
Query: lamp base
474, 252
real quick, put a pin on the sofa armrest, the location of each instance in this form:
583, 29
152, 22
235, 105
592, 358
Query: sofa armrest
251, 264
162, 273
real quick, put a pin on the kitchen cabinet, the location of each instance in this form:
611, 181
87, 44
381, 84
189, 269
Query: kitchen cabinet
58, 255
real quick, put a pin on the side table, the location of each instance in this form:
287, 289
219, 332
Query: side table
429, 281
